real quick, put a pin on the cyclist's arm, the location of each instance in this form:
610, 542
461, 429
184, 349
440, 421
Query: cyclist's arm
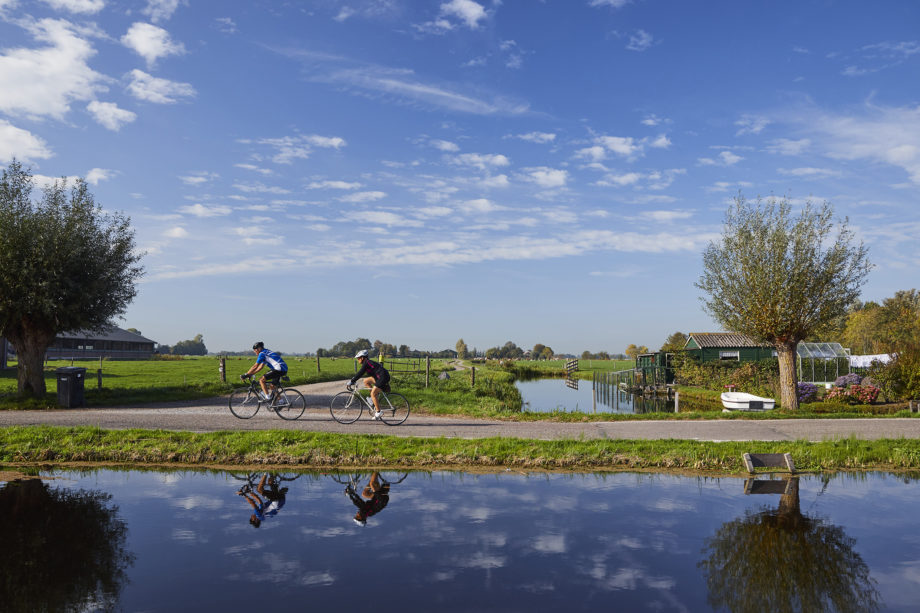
359, 374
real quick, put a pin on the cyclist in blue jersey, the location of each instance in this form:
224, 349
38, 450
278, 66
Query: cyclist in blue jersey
277, 368
378, 379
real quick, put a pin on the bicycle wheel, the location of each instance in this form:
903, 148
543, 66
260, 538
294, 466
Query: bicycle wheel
244, 403
394, 408
289, 404
346, 407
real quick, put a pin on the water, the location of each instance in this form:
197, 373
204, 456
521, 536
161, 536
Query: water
548, 395
450, 541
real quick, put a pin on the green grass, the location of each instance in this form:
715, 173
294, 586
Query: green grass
56, 445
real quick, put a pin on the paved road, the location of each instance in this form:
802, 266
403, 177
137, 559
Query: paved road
212, 415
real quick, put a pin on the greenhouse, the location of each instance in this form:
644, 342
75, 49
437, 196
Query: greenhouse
822, 362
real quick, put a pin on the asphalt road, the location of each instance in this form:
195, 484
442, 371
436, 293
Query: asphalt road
213, 414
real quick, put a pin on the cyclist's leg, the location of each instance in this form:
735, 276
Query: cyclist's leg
369, 382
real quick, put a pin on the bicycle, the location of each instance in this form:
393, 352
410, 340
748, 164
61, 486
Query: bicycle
347, 407
287, 403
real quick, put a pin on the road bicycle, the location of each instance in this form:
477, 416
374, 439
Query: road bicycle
287, 403
275, 480
346, 407
353, 481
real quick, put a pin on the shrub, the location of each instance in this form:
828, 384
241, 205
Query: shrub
846, 381
855, 394
807, 392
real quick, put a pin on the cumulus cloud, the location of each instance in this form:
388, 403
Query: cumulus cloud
751, 124
21, 144
86, 7
290, 148
109, 115
640, 41
537, 137
177, 232
45, 81
725, 158
151, 42
199, 178
363, 197
95, 175
465, 12
785, 146
199, 210
443, 145
481, 161
547, 177
159, 91
333, 185
160, 10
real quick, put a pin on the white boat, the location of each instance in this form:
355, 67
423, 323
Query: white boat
741, 401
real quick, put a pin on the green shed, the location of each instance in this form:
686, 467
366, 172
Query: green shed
655, 368
727, 346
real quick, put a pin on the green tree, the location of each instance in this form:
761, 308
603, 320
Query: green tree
863, 331
537, 352
462, 351
194, 346
779, 279
64, 265
675, 342
547, 353
633, 350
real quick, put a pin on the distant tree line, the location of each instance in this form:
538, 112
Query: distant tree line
347, 349
194, 346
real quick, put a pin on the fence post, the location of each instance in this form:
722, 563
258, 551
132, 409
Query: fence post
472, 376
317, 363
427, 369
99, 375
222, 369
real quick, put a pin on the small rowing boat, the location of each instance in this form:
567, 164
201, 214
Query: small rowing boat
741, 401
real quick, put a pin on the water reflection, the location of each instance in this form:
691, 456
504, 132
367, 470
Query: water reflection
454, 541
783, 560
549, 395
266, 497
63, 550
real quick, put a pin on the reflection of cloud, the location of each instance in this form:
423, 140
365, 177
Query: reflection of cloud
482, 561
550, 543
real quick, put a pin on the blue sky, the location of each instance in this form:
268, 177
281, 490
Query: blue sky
418, 172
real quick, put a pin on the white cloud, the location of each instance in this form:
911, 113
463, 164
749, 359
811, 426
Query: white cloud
177, 232
95, 175
199, 178
469, 12
547, 177
725, 158
666, 216
21, 144
199, 210
160, 10
886, 135
480, 160
662, 142
640, 41
344, 14
251, 188
480, 205
225, 25
628, 178
493, 182
595, 153
537, 137
785, 146
611, 3
751, 124
808, 172
363, 197
333, 185
86, 7
290, 148
624, 146
109, 115
44, 81
159, 91
443, 145
151, 42
254, 168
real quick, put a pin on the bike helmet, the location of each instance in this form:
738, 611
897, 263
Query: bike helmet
258, 345
361, 354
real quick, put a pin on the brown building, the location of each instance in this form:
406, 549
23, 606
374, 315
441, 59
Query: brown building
112, 343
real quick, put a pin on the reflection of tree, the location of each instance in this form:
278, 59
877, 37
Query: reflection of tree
783, 561
62, 550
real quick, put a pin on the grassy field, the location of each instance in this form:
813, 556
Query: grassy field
45, 445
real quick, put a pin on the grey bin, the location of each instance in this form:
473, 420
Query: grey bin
70, 380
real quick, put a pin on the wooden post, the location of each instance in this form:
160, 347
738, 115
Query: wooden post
427, 369
473, 376
99, 376
317, 363
676, 402
222, 369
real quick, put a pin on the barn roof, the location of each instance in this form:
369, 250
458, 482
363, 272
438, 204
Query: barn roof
724, 339
110, 333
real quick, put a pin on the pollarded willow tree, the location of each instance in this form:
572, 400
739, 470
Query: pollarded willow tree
779, 278
65, 265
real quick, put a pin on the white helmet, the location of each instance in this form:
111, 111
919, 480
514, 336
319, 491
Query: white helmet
361, 354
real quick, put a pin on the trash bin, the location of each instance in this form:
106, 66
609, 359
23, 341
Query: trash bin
70, 380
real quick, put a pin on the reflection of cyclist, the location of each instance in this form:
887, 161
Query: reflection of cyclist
277, 368
375, 497
379, 378
275, 498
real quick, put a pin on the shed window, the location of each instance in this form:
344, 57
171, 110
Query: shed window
729, 355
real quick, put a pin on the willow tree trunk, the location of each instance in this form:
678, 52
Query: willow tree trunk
788, 380
31, 346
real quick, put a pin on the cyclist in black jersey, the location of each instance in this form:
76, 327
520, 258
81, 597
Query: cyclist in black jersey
378, 379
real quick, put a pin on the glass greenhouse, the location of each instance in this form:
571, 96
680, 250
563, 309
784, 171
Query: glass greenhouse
822, 362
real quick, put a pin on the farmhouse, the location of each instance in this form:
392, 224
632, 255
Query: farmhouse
112, 343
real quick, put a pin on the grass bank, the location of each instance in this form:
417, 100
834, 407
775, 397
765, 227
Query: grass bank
89, 445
